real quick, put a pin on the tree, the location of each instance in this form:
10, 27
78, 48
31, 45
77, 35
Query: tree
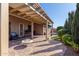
75, 24
66, 26
61, 32
59, 27
68, 23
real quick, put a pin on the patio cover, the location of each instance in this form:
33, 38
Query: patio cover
30, 12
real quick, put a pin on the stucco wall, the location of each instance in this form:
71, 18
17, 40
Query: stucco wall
49, 30
38, 28
15, 24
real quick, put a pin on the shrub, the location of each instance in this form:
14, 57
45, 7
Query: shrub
61, 33
60, 27
67, 39
55, 37
74, 45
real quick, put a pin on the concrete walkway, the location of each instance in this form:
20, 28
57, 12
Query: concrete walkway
39, 47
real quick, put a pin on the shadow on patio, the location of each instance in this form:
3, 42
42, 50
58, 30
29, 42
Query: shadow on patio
39, 46
19, 41
54, 50
43, 45
20, 47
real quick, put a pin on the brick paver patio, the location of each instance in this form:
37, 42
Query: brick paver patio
39, 47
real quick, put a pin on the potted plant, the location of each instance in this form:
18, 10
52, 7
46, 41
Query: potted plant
75, 47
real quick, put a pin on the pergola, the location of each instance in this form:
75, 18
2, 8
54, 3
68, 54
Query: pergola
30, 12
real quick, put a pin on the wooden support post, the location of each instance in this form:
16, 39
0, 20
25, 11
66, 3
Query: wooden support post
32, 29
43, 29
52, 29
4, 29
46, 29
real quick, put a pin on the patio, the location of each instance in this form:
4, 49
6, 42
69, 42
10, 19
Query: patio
39, 47
21, 11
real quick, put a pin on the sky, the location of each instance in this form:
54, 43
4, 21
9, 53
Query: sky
58, 12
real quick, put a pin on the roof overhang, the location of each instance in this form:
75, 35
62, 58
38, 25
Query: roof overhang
27, 12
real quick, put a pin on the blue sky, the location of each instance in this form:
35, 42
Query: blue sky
58, 12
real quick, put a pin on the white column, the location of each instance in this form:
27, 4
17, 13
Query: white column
46, 29
4, 29
32, 29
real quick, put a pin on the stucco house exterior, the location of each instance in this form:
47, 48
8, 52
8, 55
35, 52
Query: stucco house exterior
26, 19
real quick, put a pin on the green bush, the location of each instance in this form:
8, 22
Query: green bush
67, 39
61, 33
59, 27
75, 46
55, 37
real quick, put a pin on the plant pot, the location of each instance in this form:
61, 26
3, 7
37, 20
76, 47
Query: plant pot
76, 50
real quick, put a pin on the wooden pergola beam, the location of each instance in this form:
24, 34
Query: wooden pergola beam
25, 12
28, 18
19, 7
16, 12
36, 14
31, 14
19, 17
